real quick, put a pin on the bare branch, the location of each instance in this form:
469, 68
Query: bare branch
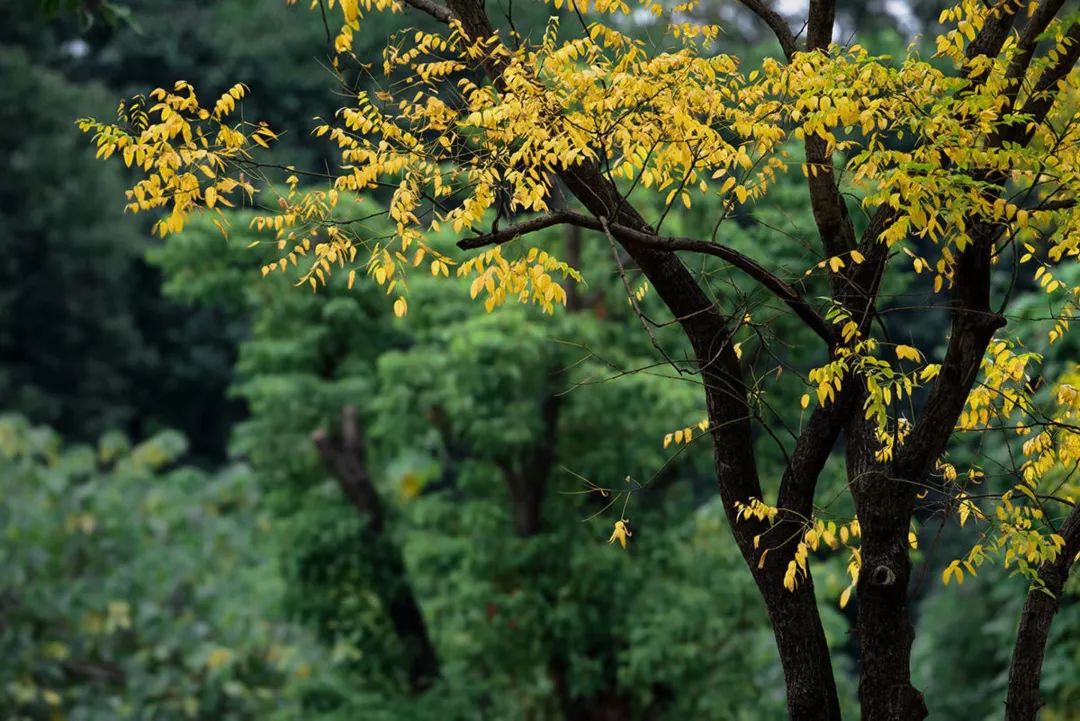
505, 235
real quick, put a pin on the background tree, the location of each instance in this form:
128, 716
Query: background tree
526, 619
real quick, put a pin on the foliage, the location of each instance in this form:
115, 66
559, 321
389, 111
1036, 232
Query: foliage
962, 655
88, 344
449, 396
133, 588
65, 362
650, 135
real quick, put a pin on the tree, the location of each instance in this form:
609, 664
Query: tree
965, 166
528, 616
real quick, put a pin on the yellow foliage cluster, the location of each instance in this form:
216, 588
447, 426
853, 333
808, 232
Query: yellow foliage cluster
684, 123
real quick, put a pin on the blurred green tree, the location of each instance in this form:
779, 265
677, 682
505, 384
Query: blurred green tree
456, 487
134, 588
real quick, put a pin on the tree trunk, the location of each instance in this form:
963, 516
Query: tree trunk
883, 625
1024, 701
804, 653
884, 505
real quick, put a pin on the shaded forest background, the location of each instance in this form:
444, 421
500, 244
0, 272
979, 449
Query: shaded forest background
194, 527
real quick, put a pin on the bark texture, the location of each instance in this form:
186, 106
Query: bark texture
1024, 700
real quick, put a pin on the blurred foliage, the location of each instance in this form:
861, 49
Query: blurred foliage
88, 343
134, 588
70, 340
961, 657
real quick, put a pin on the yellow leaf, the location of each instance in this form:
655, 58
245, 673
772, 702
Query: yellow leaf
621, 533
401, 307
906, 352
805, 400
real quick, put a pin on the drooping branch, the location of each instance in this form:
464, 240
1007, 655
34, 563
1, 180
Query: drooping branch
1023, 700
749, 266
344, 454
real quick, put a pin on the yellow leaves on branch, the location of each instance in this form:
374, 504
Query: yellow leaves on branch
528, 279
906, 352
1018, 532
816, 534
680, 122
685, 435
184, 151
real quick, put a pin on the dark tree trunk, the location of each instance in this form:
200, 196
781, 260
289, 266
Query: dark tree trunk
1024, 700
883, 504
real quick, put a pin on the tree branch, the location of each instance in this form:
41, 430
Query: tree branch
777, 23
432, 8
800, 638
973, 321
1023, 700
973, 326
1042, 97
749, 266
1029, 39
994, 30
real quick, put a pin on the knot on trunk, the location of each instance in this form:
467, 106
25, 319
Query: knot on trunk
883, 576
